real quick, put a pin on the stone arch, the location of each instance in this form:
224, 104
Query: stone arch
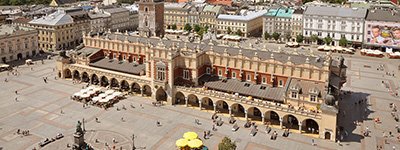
76, 75
222, 106
310, 126
327, 135
193, 100
146, 90
19, 56
179, 98
67, 73
238, 110
272, 117
85, 77
124, 85
135, 87
114, 83
95, 79
161, 95
254, 113
104, 81
207, 103
290, 121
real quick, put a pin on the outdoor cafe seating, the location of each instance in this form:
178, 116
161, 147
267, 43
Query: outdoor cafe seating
95, 96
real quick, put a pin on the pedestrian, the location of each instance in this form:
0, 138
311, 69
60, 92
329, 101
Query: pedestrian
113, 140
5, 80
16, 99
16, 92
204, 135
312, 142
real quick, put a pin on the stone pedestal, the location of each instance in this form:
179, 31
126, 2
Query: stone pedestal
79, 140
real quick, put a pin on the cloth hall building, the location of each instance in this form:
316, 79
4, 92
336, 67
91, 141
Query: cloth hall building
286, 90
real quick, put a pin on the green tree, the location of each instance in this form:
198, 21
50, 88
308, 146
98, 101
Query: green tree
174, 27
229, 31
188, 27
343, 42
239, 32
288, 36
328, 40
206, 28
267, 35
276, 36
227, 144
314, 38
299, 38
197, 28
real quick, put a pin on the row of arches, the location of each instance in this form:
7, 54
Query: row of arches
252, 113
104, 81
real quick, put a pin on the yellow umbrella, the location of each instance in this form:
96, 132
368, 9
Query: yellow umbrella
181, 142
190, 135
196, 143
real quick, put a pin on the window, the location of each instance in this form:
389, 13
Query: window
263, 80
186, 74
294, 95
219, 72
161, 73
280, 83
313, 98
208, 70
233, 74
248, 77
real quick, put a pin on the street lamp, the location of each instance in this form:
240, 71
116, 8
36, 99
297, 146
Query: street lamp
133, 142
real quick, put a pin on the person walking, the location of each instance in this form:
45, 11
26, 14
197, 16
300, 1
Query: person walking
312, 142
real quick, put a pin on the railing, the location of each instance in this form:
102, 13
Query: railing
255, 102
123, 76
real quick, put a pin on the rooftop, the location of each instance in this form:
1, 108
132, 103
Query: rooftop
249, 16
115, 10
7, 29
336, 11
212, 8
120, 66
284, 12
261, 53
383, 15
57, 18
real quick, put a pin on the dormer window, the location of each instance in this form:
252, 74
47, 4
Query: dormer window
234, 75
313, 98
219, 72
208, 70
294, 95
280, 83
248, 77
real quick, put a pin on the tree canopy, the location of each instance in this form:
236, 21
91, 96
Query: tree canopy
197, 28
343, 42
267, 35
239, 32
314, 38
188, 27
174, 27
328, 40
227, 144
299, 38
276, 36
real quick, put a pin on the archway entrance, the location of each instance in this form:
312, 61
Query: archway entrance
327, 135
207, 103
19, 56
85, 77
193, 100
76, 75
67, 74
222, 106
179, 98
238, 110
124, 85
161, 95
310, 126
136, 88
272, 118
95, 79
147, 90
114, 83
290, 121
104, 81
254, 114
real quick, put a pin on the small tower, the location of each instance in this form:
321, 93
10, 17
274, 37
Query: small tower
151, 18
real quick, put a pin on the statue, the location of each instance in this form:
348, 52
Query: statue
79, 128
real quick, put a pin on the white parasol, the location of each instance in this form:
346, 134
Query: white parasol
117, 94
85, 95
97, 89
91, 92
110, 97
339, 48
109, 91
77, 94
321, 47
103, 95
104, 100
84, 90
327, 48
95, 99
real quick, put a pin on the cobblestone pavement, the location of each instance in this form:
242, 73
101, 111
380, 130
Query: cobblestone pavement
38, 109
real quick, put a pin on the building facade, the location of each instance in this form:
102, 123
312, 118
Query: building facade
382, 29
151, 18
176, 14
249, 24
297, 23
292, 91
120, 19
334, 22
208, 16
59, 31
17, 43
279, 21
